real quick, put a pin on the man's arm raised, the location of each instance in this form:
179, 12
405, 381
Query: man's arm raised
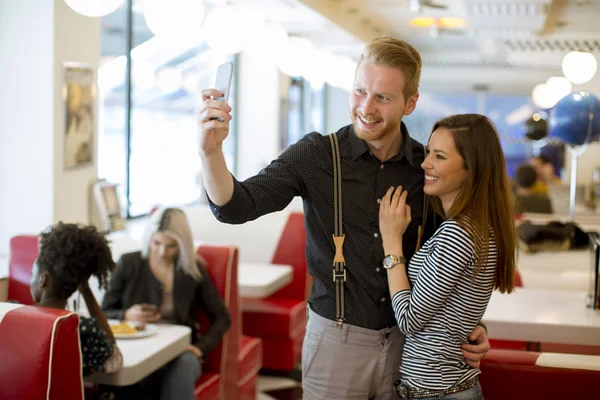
213, 128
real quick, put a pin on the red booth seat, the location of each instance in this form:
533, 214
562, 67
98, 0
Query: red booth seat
525, 375
249, 364
23, 252
218, 380
231, 370
40, 355
280, 319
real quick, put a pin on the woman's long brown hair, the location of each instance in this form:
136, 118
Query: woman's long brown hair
486, 199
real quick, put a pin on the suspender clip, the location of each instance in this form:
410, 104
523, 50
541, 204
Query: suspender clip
340, 275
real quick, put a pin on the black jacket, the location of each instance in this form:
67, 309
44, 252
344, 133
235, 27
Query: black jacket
132, 282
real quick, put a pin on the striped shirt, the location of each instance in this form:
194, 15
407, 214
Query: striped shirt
443, 308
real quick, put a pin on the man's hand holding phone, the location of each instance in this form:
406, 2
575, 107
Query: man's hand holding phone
214, 115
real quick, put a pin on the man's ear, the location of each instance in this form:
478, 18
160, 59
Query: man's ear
411, 104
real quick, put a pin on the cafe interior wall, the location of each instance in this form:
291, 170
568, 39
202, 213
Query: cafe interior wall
36, 39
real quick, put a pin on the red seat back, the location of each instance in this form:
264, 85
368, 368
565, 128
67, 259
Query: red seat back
222, 264
518, 281
23, 252
40, 354
291, 250
513, 374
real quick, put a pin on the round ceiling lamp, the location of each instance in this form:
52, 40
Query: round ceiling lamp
228, 28
94, 8
174, 19
541, 96
579, 67
267, 40
558, 87
293, 58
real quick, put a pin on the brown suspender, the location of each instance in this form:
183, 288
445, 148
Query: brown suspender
339, 263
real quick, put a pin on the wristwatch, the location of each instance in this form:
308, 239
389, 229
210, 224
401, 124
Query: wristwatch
390, 261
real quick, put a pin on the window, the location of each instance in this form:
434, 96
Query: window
148, 140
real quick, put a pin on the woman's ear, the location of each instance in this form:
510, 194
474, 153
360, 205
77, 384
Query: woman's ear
43, 281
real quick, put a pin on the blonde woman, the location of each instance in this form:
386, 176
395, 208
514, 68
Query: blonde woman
167, 282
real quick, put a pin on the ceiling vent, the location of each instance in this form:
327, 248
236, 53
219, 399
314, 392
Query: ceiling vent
492, 64
553, 45
505, 9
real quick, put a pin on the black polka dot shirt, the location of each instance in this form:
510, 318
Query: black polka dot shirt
96, 347
305, 169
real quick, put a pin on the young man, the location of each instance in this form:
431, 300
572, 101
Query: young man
358, 356
528, 201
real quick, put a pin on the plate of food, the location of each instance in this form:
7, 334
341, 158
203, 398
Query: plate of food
131, 330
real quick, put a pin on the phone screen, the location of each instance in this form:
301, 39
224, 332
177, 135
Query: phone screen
223, 80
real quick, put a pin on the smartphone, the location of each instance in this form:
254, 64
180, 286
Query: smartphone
148, 307
223, 80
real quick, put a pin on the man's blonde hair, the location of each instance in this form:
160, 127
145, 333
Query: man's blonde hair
388, 51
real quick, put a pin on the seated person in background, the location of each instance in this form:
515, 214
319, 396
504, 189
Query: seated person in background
528, 200
167, 282
545, 174
69, 255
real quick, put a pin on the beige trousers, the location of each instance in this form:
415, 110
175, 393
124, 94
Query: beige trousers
349, 363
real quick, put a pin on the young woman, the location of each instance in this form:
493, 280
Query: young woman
69, 255
444, 292
167, 282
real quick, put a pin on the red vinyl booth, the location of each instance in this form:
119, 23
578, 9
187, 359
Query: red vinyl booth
23, 252
518, 375
230, 371
280, 319
40, 357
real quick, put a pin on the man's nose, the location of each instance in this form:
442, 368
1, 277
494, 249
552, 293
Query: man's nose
368, 105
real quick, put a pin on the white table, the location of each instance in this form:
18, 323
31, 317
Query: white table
143, 356
535, 315
262, 280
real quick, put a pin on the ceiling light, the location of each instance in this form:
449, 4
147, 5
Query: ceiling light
228, 28
558, 87
579, 67
94, 8
541, 96
267, 40
422, 22
452, 22
294, 56
174, 19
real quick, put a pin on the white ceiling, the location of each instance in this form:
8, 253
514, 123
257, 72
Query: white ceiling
507, 46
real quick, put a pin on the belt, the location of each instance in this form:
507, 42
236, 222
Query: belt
409, 392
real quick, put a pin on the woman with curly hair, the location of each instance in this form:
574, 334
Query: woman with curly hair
69, 255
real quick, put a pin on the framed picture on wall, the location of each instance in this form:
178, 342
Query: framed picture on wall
109, 209
79, 92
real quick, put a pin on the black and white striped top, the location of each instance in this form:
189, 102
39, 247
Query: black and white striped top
443, 307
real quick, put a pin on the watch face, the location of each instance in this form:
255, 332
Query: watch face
388, 261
